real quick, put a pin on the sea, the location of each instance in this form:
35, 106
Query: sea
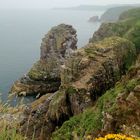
21, 32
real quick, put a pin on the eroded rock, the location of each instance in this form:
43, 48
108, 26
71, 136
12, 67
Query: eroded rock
98, 66
44, 76
85, 76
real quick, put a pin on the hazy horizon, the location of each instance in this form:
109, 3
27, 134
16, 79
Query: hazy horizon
31, 4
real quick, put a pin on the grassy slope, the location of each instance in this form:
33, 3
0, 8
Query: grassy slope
112, 14
90, 120
127, 27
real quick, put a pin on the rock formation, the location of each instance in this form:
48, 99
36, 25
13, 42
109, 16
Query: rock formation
44, 76
117, 110
83, 77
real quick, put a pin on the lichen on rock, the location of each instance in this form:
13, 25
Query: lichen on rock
83, 80
60, 41
88, 93
44, 76
98, 66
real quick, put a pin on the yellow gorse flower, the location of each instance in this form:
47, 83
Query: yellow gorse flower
116, 137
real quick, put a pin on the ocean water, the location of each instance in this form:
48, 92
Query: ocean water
21, 32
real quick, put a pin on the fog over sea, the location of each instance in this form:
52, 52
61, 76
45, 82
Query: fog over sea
21, 32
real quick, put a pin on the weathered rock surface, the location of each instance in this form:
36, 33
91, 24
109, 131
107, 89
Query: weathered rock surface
59, 42
97, 67
44, 76
109, 30
85, 76
124, 109
115, 111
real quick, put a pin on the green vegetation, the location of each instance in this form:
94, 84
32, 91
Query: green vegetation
42, 70
112, 14
90, 120
71, 90
10, 134
90, 52
133, 13
123, 48
131, 84
8, 128
38, 72
134, 35
79, 125
58, 106
125, 33
127, 27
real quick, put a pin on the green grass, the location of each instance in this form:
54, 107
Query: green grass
133, 13
10, 134
131, 84
90, 120
71, 90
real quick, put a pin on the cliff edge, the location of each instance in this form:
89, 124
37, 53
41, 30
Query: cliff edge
95, 94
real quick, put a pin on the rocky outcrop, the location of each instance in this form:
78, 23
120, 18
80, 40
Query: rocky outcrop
44, 76
109, 30
51, 110
59, 42
124, 110
117, 110
97, 67
85, 76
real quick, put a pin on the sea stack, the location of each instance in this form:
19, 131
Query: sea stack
44, 76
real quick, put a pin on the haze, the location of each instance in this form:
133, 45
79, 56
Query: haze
8, 4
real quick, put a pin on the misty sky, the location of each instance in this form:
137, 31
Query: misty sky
58, 3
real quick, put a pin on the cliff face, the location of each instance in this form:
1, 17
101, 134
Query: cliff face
113, 14
117, 111
59, 42
44, 76
98, 66
83, 77
127, 27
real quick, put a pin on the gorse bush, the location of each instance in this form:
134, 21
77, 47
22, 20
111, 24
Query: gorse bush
117, 137
113, 137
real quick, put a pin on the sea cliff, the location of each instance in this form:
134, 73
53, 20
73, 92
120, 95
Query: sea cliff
91, 91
